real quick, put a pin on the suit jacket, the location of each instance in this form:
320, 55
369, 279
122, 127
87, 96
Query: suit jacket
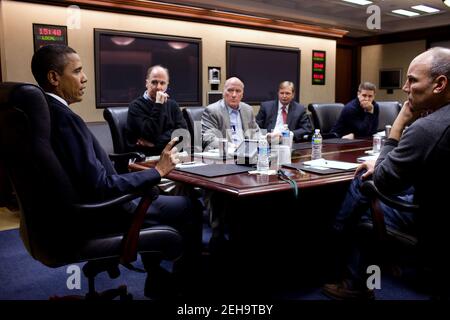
297, 119
87, 164
216, 122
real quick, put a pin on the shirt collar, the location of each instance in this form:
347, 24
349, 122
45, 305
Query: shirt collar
64, 102
280, 105
230, 110
146, 96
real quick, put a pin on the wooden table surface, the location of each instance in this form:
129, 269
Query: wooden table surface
244, 184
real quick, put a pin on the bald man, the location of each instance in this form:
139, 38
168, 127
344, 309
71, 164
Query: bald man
416, 159
229, 117
154, 116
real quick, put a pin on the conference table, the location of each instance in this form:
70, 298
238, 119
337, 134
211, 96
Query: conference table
244, 185
262, 213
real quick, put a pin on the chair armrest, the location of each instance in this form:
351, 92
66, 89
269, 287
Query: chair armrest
369, 189
127, 156
131, 238
108, 203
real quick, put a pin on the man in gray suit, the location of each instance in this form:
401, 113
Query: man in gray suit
229, 117
232, 119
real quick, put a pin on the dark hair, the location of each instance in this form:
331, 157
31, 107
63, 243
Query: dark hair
367, 86
47, 58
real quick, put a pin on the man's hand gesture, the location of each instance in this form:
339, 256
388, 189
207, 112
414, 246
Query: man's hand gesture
168, 159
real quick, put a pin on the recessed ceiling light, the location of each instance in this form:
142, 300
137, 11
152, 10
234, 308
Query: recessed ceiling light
426, 9
406, 13
360, 2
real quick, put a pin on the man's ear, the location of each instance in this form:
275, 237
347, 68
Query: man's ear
441, 84
53, 78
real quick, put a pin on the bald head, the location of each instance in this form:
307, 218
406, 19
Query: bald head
157, 80
428, 82
233, 81
233, 91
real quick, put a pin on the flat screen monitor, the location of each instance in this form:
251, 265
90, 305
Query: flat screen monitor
262, 68
390, 79
122, 60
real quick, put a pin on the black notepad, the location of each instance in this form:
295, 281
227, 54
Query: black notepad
216, 170
301, 166
341, 141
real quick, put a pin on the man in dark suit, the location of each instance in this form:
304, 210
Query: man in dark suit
274, 114
59, 72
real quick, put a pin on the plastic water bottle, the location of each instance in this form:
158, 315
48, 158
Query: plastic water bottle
263, 155
316, 144
286, 136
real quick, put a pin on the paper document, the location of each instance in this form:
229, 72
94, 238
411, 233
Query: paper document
367, 158
180, 155
190, 164
214, 154
371, 153
331, 164
152, 158
268, 172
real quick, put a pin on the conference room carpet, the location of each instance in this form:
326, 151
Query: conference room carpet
23, 278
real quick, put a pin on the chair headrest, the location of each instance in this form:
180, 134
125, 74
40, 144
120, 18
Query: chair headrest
194, 113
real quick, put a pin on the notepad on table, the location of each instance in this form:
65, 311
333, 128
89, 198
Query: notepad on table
331, 164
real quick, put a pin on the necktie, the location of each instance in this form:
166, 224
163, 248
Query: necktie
284, 114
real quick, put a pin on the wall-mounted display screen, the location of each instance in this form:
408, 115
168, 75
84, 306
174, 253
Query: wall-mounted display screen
262, 68
122, 60
318, 67
44, 34
390, 79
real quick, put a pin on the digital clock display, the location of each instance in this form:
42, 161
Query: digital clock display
48, 34
318, 67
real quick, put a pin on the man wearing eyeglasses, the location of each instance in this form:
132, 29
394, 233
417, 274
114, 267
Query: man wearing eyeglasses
154, 116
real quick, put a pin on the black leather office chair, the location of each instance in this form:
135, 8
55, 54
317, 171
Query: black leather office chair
388, 112
117, 122
324, 116
52, 223
193, 117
